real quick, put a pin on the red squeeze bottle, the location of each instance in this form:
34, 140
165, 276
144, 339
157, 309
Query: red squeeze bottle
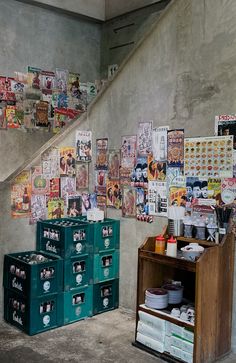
160, 244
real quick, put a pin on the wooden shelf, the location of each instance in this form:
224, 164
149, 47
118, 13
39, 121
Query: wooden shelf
199, 241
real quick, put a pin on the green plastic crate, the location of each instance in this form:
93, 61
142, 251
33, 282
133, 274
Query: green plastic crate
64, 237
77, 304
33, 280
106, 266
33, 316
105, 296
78, 271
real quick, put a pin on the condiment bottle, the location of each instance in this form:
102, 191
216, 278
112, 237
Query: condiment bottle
160, 244
171, 247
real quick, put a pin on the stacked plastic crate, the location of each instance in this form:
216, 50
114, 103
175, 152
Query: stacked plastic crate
70, 240
32, 291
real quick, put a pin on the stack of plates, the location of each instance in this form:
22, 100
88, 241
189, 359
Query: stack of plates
156, 298
175, 293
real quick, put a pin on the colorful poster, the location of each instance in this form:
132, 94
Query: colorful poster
29, 106
139, 177
114, 164
67, 161
128, 151
175, 177
68, 186
3, 121
152, 168
214, 188
34, 77
5, 84
82, 175
74, 85
209, 157
50, 163
91, 91
60, 119
144, 138
38, 208
42, 114
62, 100
159, 143
47, 79
142, 207
114, 196
228, 190
157, 198
84, 145
177, 196
89, 201
74, 205
100, 181
226, 125
55, 208
11, 117
40, 184
129, 202
54, 188
61, 79
20, 195
101, 203
101, 154
175, 148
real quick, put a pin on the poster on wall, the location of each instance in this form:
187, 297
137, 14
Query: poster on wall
40, 184
139, 176
61, 79
175, 177
54, 188
47, 79
177, 196
101, 203
101, 154
3, 121
74, 205
144, 138
209, 156
142, 207
11, 117
129, 202
228, 190
20, 195
114, 164
50, 163
83, 145
114, 197
56, 208
34, 77
67, 161
89, 201
73, 87
175, 148
159, 143
128, 151
226, 125
38, 208
68, 186
82, 175
100, 181
157, 198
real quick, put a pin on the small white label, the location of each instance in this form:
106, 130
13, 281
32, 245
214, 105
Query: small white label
106, 272
222, 231
107, 242
79, 279
78, 311
105, 302
46, 286
78, 247
46, 320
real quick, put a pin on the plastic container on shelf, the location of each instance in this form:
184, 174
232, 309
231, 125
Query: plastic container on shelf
160, 244
171, 247
188, 227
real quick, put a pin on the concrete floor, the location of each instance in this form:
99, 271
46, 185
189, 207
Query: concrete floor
103, 338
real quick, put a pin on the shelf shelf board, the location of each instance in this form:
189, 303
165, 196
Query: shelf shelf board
199, 241
161, 314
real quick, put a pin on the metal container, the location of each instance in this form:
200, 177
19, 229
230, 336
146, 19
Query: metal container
175, 227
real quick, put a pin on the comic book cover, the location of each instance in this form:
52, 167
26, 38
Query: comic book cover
74, 205
42, 114
34, 77
3, 121
38, 208
20, 195
228, 190
101, 203
157, 198
68, 186
40, 184
144, 138
159, 143
82, 175
50, 163
139, 176
114, 196
91, 91
61, 79
67, 161
114, 164
177, 196
54, 188
11, 117
128, 151
142, 201
175, 177
100, 181
129, 202
101, 154
56, 208
47, 79
175, 148
84, 145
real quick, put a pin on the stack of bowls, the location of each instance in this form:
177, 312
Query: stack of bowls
175, 293
156, 298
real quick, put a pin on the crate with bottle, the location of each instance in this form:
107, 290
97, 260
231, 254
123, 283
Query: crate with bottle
78, 271
106, 266
105, 296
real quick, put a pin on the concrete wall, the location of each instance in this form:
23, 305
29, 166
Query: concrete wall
38, 37
183, 75
116, 8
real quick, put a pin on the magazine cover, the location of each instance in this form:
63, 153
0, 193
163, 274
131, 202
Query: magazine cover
34, 77
3, 121
67, 161
74, 205
114, 197
159, 143
175, 148
54, 188
157, 198
84, 145
38, 208
61, 79
113, 164
128, 151
101, 154
177, 196
175, 177
129, 202
228, 190
20, 195
144, 138
40, 184
11, 117
42, 114
226, 125
139, 177
47, 79
55, 208
82, 175
50, 163
68, 186
214, 188
142, 201
100, 181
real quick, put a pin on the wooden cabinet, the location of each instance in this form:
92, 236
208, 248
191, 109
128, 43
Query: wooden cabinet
208, 283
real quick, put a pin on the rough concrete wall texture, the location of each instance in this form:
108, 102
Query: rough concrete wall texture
182, 75
116, 8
